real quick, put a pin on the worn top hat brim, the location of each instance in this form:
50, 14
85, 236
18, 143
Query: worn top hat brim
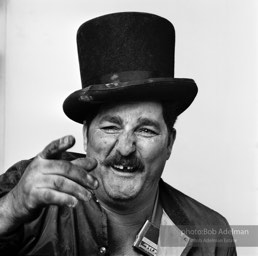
178, 91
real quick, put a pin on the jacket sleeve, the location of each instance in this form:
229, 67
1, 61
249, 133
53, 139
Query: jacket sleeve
9, 244
12, 176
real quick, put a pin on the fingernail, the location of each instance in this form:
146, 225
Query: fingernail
82, 197
95, 184
73, 203
63, 140
90, 178
85, 197
67, 140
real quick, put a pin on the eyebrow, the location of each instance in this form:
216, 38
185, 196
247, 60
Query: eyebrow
148, 122
141, 121
111, 119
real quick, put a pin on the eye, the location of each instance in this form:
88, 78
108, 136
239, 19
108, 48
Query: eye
110, 129
147, 132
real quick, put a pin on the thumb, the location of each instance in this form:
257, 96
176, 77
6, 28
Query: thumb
56, 147
87, 163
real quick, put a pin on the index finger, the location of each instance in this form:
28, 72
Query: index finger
56, 147
87, 163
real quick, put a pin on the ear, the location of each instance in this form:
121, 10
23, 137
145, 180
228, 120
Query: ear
171, 140
85, 136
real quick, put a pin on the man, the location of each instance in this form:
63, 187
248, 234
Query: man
113, 202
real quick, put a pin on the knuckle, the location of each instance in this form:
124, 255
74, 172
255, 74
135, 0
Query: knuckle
65, 166
59, 183
68, 168
82, 174
30, 201
30, 205
36, 165
47, 196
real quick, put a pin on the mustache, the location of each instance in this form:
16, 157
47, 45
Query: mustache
118, 159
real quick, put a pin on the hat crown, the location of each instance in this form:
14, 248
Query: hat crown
125, 43
127, 56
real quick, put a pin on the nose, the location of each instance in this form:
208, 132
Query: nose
126, 144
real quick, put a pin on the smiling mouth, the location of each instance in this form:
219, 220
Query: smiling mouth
122, 168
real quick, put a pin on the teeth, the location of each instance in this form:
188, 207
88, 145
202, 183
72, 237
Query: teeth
121, 167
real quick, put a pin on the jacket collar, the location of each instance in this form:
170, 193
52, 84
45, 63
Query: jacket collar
174, 210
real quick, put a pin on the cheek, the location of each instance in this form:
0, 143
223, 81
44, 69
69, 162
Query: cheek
98, 143
153, 150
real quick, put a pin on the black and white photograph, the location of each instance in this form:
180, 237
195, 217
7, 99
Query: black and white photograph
128, 128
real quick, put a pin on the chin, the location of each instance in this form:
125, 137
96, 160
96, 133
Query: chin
121, 198
122, 192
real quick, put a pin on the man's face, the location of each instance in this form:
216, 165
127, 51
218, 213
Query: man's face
131, 143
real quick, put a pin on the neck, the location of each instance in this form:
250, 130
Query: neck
125, 220
132, 213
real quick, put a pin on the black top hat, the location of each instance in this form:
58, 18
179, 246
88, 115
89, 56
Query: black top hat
127, 56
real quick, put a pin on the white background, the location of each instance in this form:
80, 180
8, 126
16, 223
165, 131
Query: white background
215, 156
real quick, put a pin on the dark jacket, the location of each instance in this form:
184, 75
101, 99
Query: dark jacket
83, 230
